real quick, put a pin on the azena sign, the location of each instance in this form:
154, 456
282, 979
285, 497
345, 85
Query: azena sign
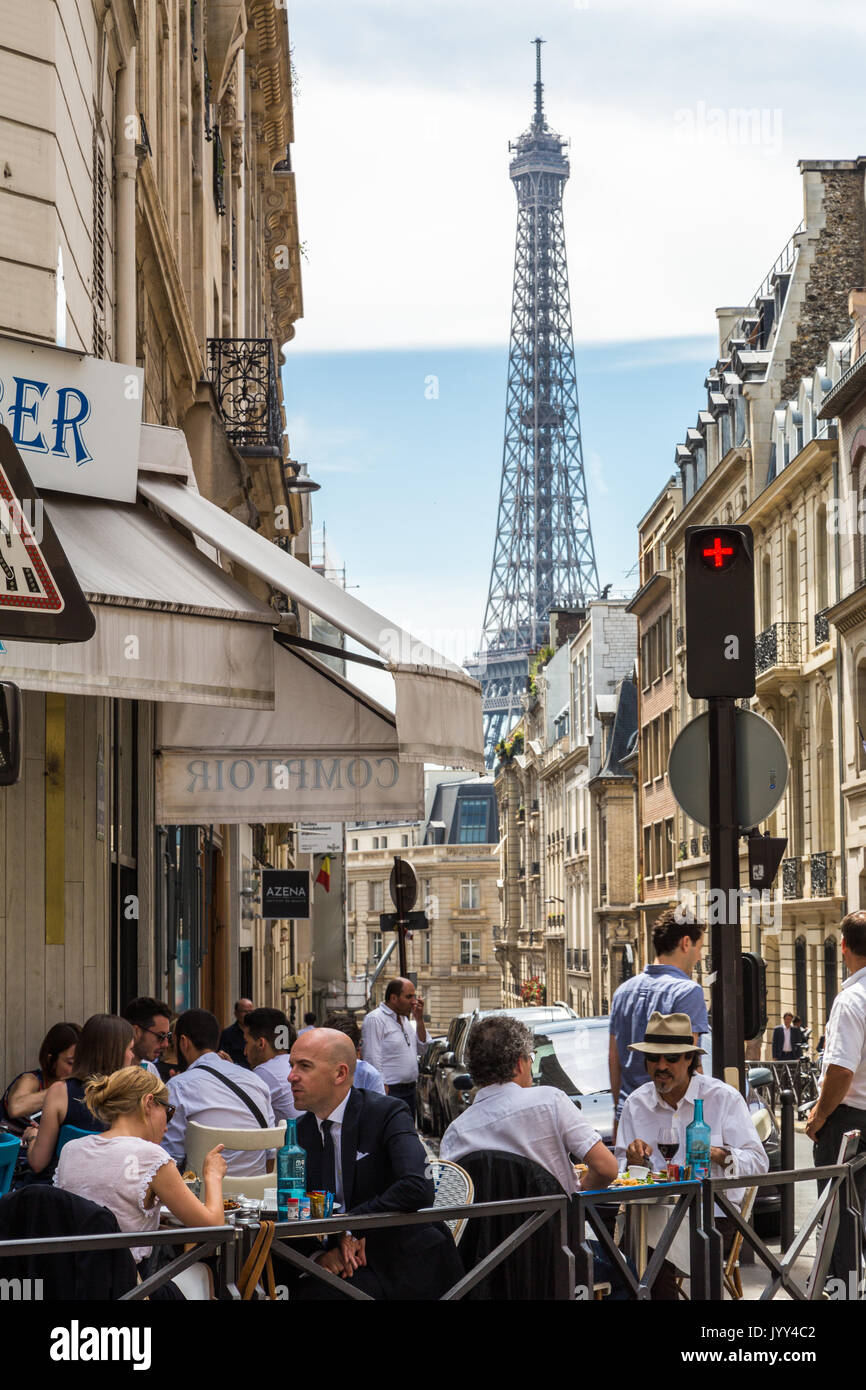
234, 787
74, 419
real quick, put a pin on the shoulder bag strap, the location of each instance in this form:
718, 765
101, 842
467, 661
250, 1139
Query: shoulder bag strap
250, 1104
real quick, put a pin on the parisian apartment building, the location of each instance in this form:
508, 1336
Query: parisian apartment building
455, 855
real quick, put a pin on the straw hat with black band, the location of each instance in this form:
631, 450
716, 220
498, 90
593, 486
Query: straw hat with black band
667, 1033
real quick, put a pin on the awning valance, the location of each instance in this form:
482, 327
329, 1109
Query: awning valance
325, 751
438, 707
135, 570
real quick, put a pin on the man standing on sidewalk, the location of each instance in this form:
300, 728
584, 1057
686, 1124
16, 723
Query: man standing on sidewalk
666, 987
841, 1103
391, 1045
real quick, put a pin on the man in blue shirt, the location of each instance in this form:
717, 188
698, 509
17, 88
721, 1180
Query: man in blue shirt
665, 987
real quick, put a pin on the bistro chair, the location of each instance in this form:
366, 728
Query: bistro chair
733, 1283
453, 1188
68, 1133
200, 1139
9, 1150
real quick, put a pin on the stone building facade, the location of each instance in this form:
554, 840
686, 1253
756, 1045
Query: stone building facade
148, 218
656, 807
759, 455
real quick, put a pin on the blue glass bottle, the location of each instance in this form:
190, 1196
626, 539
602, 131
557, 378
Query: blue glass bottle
291, 1169
698, 1143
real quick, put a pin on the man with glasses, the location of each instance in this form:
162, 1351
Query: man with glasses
666, 1102
150, 1019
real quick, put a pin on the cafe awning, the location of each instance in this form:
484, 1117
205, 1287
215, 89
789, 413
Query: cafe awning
325, 751
438, 707
170, 624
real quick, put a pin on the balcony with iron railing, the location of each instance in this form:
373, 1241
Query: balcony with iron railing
822, 874
822, 627
244, 376
779, 651
792, 877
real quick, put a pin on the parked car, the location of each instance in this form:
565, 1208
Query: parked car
571, 1052
426, 1103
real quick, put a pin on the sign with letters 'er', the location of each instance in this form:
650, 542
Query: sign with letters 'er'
285, 893
74, 419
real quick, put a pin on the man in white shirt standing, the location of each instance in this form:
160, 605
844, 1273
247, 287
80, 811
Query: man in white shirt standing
269, 1037
841, 1103
215, 1092
390, 1043
667, 1102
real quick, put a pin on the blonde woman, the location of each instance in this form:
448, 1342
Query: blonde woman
126, 1170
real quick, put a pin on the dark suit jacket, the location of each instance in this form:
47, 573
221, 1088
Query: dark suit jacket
384, 1169
232, 1042
779, 1040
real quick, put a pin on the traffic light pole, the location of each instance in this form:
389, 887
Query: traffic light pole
726, 990
399, 896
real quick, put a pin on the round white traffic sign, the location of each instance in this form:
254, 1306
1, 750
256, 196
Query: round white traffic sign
762, 768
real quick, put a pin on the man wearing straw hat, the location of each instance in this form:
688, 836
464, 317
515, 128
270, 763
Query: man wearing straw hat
667, 1101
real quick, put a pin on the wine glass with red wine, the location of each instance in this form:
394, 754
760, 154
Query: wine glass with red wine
668, 1143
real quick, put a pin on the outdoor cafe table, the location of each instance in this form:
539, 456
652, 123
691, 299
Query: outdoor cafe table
645, 1219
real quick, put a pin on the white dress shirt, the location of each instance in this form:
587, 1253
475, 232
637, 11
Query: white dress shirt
391, 1045
536, 1122
645, 1115
786, 1040
336, 1118
198, 1096
275, 1074
845, 1039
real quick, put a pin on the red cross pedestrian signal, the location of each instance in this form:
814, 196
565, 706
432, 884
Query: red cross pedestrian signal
717, 555
720, 612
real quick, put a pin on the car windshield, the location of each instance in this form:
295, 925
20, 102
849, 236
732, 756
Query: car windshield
575, 1060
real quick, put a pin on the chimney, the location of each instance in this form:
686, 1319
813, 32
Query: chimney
565, 623
727, 318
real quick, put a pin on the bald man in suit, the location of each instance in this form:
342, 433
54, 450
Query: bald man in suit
363, 1146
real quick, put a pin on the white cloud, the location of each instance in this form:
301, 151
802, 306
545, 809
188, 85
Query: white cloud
407, 209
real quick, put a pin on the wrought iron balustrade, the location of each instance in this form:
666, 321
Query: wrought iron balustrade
681, 637
792, 878
244, 376
780, 644
823, 873
693, 847
705, 844
822, 628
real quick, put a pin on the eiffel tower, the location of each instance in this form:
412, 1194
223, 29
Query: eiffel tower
543, 555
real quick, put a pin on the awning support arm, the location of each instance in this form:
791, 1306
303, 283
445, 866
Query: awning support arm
287, 639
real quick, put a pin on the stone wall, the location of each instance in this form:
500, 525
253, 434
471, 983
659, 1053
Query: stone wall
838, 264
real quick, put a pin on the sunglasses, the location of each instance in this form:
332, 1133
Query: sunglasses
665, 1056
163, 1037
169, 1110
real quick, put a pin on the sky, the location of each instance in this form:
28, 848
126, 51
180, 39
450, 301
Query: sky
685, 131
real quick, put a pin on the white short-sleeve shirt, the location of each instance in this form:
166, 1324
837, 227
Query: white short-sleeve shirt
115, 1171
845, 1039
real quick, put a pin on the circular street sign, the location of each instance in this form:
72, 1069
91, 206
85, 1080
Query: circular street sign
762, 768
403, 878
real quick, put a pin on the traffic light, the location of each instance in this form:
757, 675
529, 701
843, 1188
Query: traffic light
720, 612
10, 734
754, 995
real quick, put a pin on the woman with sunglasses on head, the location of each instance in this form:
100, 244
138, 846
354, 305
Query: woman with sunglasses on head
126, 1170
105, 1046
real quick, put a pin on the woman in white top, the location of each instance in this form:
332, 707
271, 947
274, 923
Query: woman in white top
126, 1170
